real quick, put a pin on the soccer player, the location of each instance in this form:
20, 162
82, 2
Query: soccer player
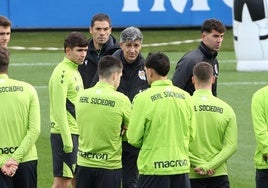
216, 133
64, 84
5, 31
19, 127
102, 43
101, 114
259, 112
161, 125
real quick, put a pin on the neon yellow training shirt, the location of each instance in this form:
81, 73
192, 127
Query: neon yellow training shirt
216, 134
20, 120
161, 125
101, 111
259, 112
64, 84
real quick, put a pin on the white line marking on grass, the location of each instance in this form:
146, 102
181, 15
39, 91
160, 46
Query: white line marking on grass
54, 64
220, 61
228, 61
171, 43
32, 64
34, 48
144, 45
242, 83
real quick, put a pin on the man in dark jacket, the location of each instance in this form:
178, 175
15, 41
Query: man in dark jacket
133, 81
102, 43
212, 32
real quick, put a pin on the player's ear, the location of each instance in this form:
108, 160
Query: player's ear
203, 36
67, 50
213, 79
193, 80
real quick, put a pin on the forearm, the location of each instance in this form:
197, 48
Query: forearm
32, 132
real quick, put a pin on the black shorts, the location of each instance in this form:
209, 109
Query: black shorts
64, 164
261, 178
98, 177
213, 182
25, 176
169, 181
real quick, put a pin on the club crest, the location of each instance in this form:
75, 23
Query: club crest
141, 75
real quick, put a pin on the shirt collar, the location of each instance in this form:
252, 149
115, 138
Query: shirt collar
105, 84
161, 83
203, 92
70, 63
3, 76
207, 51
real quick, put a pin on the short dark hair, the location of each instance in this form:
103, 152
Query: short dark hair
4, 21
159, 62
75, 39
203, 71
100, 17
4, 59
213, 24
108, 65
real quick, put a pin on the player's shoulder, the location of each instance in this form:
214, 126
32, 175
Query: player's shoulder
226, 106
62, 66
25, 85
191, 58
261, 92
62, 72
121, 97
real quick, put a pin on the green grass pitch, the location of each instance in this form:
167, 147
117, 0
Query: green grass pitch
236, 88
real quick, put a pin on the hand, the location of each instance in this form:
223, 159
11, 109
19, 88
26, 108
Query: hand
265, 157
123, 130
10, 167
202, 172
210, 172
67, 149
